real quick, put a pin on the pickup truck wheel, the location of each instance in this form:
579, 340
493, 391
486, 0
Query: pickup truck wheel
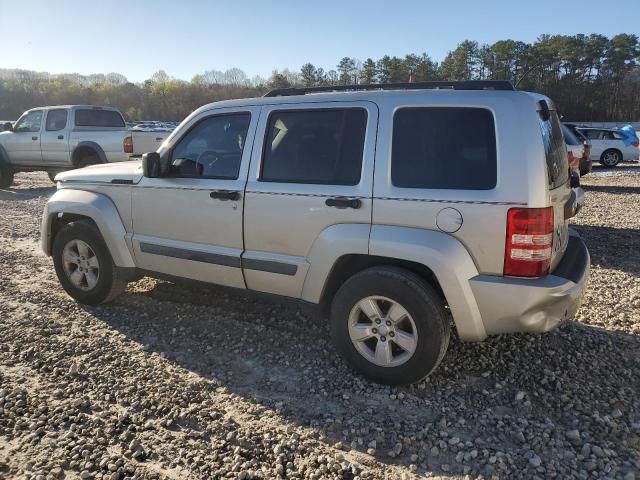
390, 325
84, 265
6, 175
88, 160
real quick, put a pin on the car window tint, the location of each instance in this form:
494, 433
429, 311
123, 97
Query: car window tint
555, 150
592, 134
56, 120
315, 146
444, 147
213, 148
98, 118
29, 122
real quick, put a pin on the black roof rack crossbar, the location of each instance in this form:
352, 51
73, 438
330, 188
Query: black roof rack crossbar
463, 85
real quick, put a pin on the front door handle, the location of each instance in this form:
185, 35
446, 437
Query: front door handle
343, 202
225, 195
34, 138
60, 137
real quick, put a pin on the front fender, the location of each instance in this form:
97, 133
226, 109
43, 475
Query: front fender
95, 206
447, 258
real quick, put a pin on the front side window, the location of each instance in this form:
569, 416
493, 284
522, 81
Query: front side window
213, 148
56, 120
99, 118
592, 134
444, 148
30, 122
315, 146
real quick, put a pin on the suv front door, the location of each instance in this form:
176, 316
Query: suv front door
189, 224
310, 180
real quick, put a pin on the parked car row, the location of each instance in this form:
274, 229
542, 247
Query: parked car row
58, 138
280, 195
609, 146
153, 126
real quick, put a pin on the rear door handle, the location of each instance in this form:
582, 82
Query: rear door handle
60, 137
34, 138
343, 202
225, 195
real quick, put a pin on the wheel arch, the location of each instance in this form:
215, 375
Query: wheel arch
82, 149
67, 205
437, 257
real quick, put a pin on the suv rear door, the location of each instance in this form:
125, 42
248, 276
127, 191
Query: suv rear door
558, 180
311, 169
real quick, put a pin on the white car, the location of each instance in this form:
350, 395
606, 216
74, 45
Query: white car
610, 146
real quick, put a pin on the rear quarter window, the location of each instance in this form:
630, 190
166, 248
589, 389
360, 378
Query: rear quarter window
444, 148
554, 149
99, 118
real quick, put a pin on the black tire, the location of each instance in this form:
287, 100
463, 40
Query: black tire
610, 157
6, 174
88, 160
109, 284
422, 303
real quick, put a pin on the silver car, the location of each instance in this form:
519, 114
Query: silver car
395, 208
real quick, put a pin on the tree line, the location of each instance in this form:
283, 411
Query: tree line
590, 77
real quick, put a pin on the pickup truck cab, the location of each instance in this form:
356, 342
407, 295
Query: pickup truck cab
367, 201
60, 138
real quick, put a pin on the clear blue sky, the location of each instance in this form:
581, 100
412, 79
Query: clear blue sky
139, 37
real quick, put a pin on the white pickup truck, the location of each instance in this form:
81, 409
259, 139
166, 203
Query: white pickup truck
55, 139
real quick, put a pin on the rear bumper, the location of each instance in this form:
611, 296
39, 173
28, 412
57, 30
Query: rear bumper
509, 305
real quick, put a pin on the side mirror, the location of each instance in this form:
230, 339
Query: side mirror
152, 165
7, 127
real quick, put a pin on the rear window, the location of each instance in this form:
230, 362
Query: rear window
444, 148
555, 150
99, 118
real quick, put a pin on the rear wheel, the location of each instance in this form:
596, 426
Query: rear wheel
390, 325
84, 265
88, 160
610, 158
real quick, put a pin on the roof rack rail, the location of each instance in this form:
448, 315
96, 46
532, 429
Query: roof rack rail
462, 85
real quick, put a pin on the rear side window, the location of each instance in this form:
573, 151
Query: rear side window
444, 148
98, 118
56, 120
315, 146
554, 149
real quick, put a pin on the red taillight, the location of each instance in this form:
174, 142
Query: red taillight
529, 242
636, 143
127, 144
573, 161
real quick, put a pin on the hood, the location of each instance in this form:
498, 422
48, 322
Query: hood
118, 173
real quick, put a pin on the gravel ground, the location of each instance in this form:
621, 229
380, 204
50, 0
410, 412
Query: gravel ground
177, 382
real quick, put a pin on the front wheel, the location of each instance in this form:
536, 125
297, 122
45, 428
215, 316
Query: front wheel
610, 158
390, 325
6, 175
84, 265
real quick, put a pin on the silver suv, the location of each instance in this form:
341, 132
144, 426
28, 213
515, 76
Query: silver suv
393, 207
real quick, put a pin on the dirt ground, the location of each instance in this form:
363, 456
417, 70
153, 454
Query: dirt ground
179, 382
